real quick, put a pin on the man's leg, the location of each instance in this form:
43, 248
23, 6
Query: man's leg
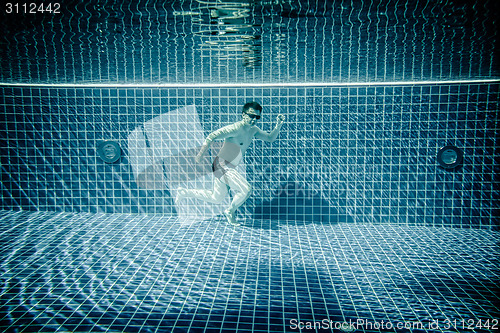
215, 196
241, 186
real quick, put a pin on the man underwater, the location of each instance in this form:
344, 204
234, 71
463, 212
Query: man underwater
237, 138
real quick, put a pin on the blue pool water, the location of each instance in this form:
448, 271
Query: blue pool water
352, 224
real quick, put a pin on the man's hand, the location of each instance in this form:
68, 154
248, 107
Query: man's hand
199, 157
280, 119
203, 149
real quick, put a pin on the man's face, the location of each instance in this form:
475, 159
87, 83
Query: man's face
251, 116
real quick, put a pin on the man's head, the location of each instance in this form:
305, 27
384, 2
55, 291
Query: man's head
252, 112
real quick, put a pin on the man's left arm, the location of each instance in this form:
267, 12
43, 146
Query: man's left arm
271, 137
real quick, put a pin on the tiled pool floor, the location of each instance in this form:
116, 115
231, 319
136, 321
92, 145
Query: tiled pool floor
140, 273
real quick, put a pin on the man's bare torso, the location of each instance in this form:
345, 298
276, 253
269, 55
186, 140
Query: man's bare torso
236, 145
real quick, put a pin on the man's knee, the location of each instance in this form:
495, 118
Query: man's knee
247, 189
243, 188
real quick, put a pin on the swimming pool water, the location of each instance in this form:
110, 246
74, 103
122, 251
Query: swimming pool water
352, 219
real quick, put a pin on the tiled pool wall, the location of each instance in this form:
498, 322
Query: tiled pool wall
355, 154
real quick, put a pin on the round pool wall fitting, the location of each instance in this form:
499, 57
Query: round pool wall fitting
450, 157
109, 151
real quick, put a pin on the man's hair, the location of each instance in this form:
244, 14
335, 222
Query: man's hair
253, 105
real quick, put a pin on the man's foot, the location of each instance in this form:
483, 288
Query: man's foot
181, 194
231, 217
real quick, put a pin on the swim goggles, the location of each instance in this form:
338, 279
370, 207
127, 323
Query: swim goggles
251, 115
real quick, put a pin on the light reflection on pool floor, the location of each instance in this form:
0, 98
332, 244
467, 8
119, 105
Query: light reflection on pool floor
131, 273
